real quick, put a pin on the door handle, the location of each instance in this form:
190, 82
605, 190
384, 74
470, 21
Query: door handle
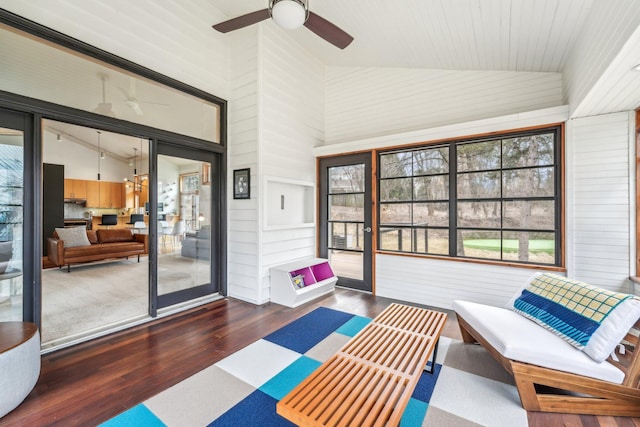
367, 229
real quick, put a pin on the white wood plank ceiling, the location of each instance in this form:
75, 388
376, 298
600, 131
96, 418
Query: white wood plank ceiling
513, 35
500, 35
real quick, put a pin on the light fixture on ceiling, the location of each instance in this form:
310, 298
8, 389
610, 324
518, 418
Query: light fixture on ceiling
105, 108
134, 162
99, 154
59, 138
289, 14
635, 67
102, 155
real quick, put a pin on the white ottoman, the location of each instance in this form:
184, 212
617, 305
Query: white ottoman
19, 363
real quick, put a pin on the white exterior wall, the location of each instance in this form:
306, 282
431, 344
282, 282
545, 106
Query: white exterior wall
243, 152
439, 282
276, 117
600, 199
292, 123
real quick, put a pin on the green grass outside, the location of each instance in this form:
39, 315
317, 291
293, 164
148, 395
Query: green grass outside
511, 245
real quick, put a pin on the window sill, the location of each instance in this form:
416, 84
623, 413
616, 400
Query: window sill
477, 261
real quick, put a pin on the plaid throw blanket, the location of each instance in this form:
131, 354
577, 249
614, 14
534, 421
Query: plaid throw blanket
573, 310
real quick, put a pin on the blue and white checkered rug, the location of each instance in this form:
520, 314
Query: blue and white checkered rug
468, 388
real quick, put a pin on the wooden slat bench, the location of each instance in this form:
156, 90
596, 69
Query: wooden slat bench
370, 380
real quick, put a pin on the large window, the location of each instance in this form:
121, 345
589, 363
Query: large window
495, 199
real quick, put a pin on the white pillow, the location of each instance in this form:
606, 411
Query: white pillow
73, 236
611, 331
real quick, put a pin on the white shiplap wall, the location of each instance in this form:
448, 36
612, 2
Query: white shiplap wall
366, 102
292, 123
439, 282
243, 153
600, 193
276, 117
608, 27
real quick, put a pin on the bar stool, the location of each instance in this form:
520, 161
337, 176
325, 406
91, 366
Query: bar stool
140, 227
109, 220
135, 218
164, 230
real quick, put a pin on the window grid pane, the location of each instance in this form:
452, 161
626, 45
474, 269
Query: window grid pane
503, 192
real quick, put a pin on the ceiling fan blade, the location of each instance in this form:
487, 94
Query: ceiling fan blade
135, 106
125, 93
328, 31
242, 21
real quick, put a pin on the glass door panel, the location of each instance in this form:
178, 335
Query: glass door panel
90, 176
11, 223
184, 266
346, 218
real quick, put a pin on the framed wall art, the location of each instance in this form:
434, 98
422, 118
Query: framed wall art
242, 183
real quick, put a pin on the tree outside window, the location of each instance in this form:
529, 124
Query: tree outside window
494, 199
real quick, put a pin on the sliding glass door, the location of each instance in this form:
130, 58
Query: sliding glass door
187, 191
11, 215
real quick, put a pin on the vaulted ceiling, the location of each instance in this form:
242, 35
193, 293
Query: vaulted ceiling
504, 35
512, 35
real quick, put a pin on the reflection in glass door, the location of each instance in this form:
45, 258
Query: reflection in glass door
345, 212
184, 231
11, 221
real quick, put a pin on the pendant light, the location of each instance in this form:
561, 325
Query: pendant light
99, 154
135, 162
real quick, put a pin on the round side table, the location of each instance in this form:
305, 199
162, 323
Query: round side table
19, 363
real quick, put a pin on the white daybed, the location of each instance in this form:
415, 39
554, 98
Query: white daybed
573, 381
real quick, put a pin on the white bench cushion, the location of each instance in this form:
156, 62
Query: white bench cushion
518, 338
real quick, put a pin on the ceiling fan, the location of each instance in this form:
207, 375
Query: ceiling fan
105, 108
131, 99
290, 14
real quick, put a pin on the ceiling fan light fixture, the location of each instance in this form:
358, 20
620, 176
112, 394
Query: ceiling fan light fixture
106, 109
289, 14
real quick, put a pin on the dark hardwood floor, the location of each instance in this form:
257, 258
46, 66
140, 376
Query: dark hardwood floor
89, 383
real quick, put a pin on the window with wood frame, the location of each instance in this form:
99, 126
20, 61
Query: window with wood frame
494, 198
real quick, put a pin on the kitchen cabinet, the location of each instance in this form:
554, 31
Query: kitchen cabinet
75, 189
93, 194
117, 195
99, 194
111, 194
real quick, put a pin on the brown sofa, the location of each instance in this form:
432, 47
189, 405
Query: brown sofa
104, 244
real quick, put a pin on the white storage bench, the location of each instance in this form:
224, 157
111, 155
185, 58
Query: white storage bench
301, 281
